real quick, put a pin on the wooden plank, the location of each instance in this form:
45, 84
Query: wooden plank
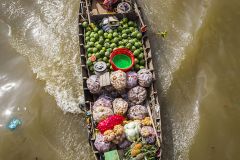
153, 124
105, 79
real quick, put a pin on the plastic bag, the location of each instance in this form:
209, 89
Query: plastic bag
100, 113
120, 106
118, 80
132, 130
147, 131
14, 123
137, 95
148, 134
132, 79
100, 143
137, 112
145, 77
150, 139
93, 84
103, 101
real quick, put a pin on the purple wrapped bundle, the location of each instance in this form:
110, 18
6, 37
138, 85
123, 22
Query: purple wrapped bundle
93, 84
137, 95
120, 106
100, 143
100, 113
118, 80
150, 139
148, 134
147, 131
103, 101
124, 144
137, 112
132, 79
145, 77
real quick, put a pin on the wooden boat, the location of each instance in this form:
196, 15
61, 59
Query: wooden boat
92, 11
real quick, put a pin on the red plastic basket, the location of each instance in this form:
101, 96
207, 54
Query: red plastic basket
122, 51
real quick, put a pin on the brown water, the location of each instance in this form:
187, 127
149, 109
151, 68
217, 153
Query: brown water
43, 32
197, 65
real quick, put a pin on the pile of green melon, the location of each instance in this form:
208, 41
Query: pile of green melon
100, 44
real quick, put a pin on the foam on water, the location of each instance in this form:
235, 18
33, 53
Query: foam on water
47, 34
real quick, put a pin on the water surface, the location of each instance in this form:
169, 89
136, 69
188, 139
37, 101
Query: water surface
197, 65
40, 37
198, 68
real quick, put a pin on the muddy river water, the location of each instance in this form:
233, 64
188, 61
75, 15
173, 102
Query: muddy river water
197, 65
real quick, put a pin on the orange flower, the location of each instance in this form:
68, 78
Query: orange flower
118, 129
146, 121
109, 135
138, 146
93, 58
135, 152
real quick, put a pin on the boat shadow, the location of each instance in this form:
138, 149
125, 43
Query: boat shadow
166, 123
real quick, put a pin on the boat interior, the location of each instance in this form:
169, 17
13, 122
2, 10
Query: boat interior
93, 11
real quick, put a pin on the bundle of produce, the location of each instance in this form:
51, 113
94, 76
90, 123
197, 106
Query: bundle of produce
132, 79
93, 84
136, 149
116, 135
100, 113
145, 77
109, 135
146, 121
137, 95
132, 130
99, 44
118, 80
120, 106
124, 144
141, 151
110, 122
150, 139
137, 112
101, 145
147, 132
103, 101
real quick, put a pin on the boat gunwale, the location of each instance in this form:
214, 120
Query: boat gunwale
152, 93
